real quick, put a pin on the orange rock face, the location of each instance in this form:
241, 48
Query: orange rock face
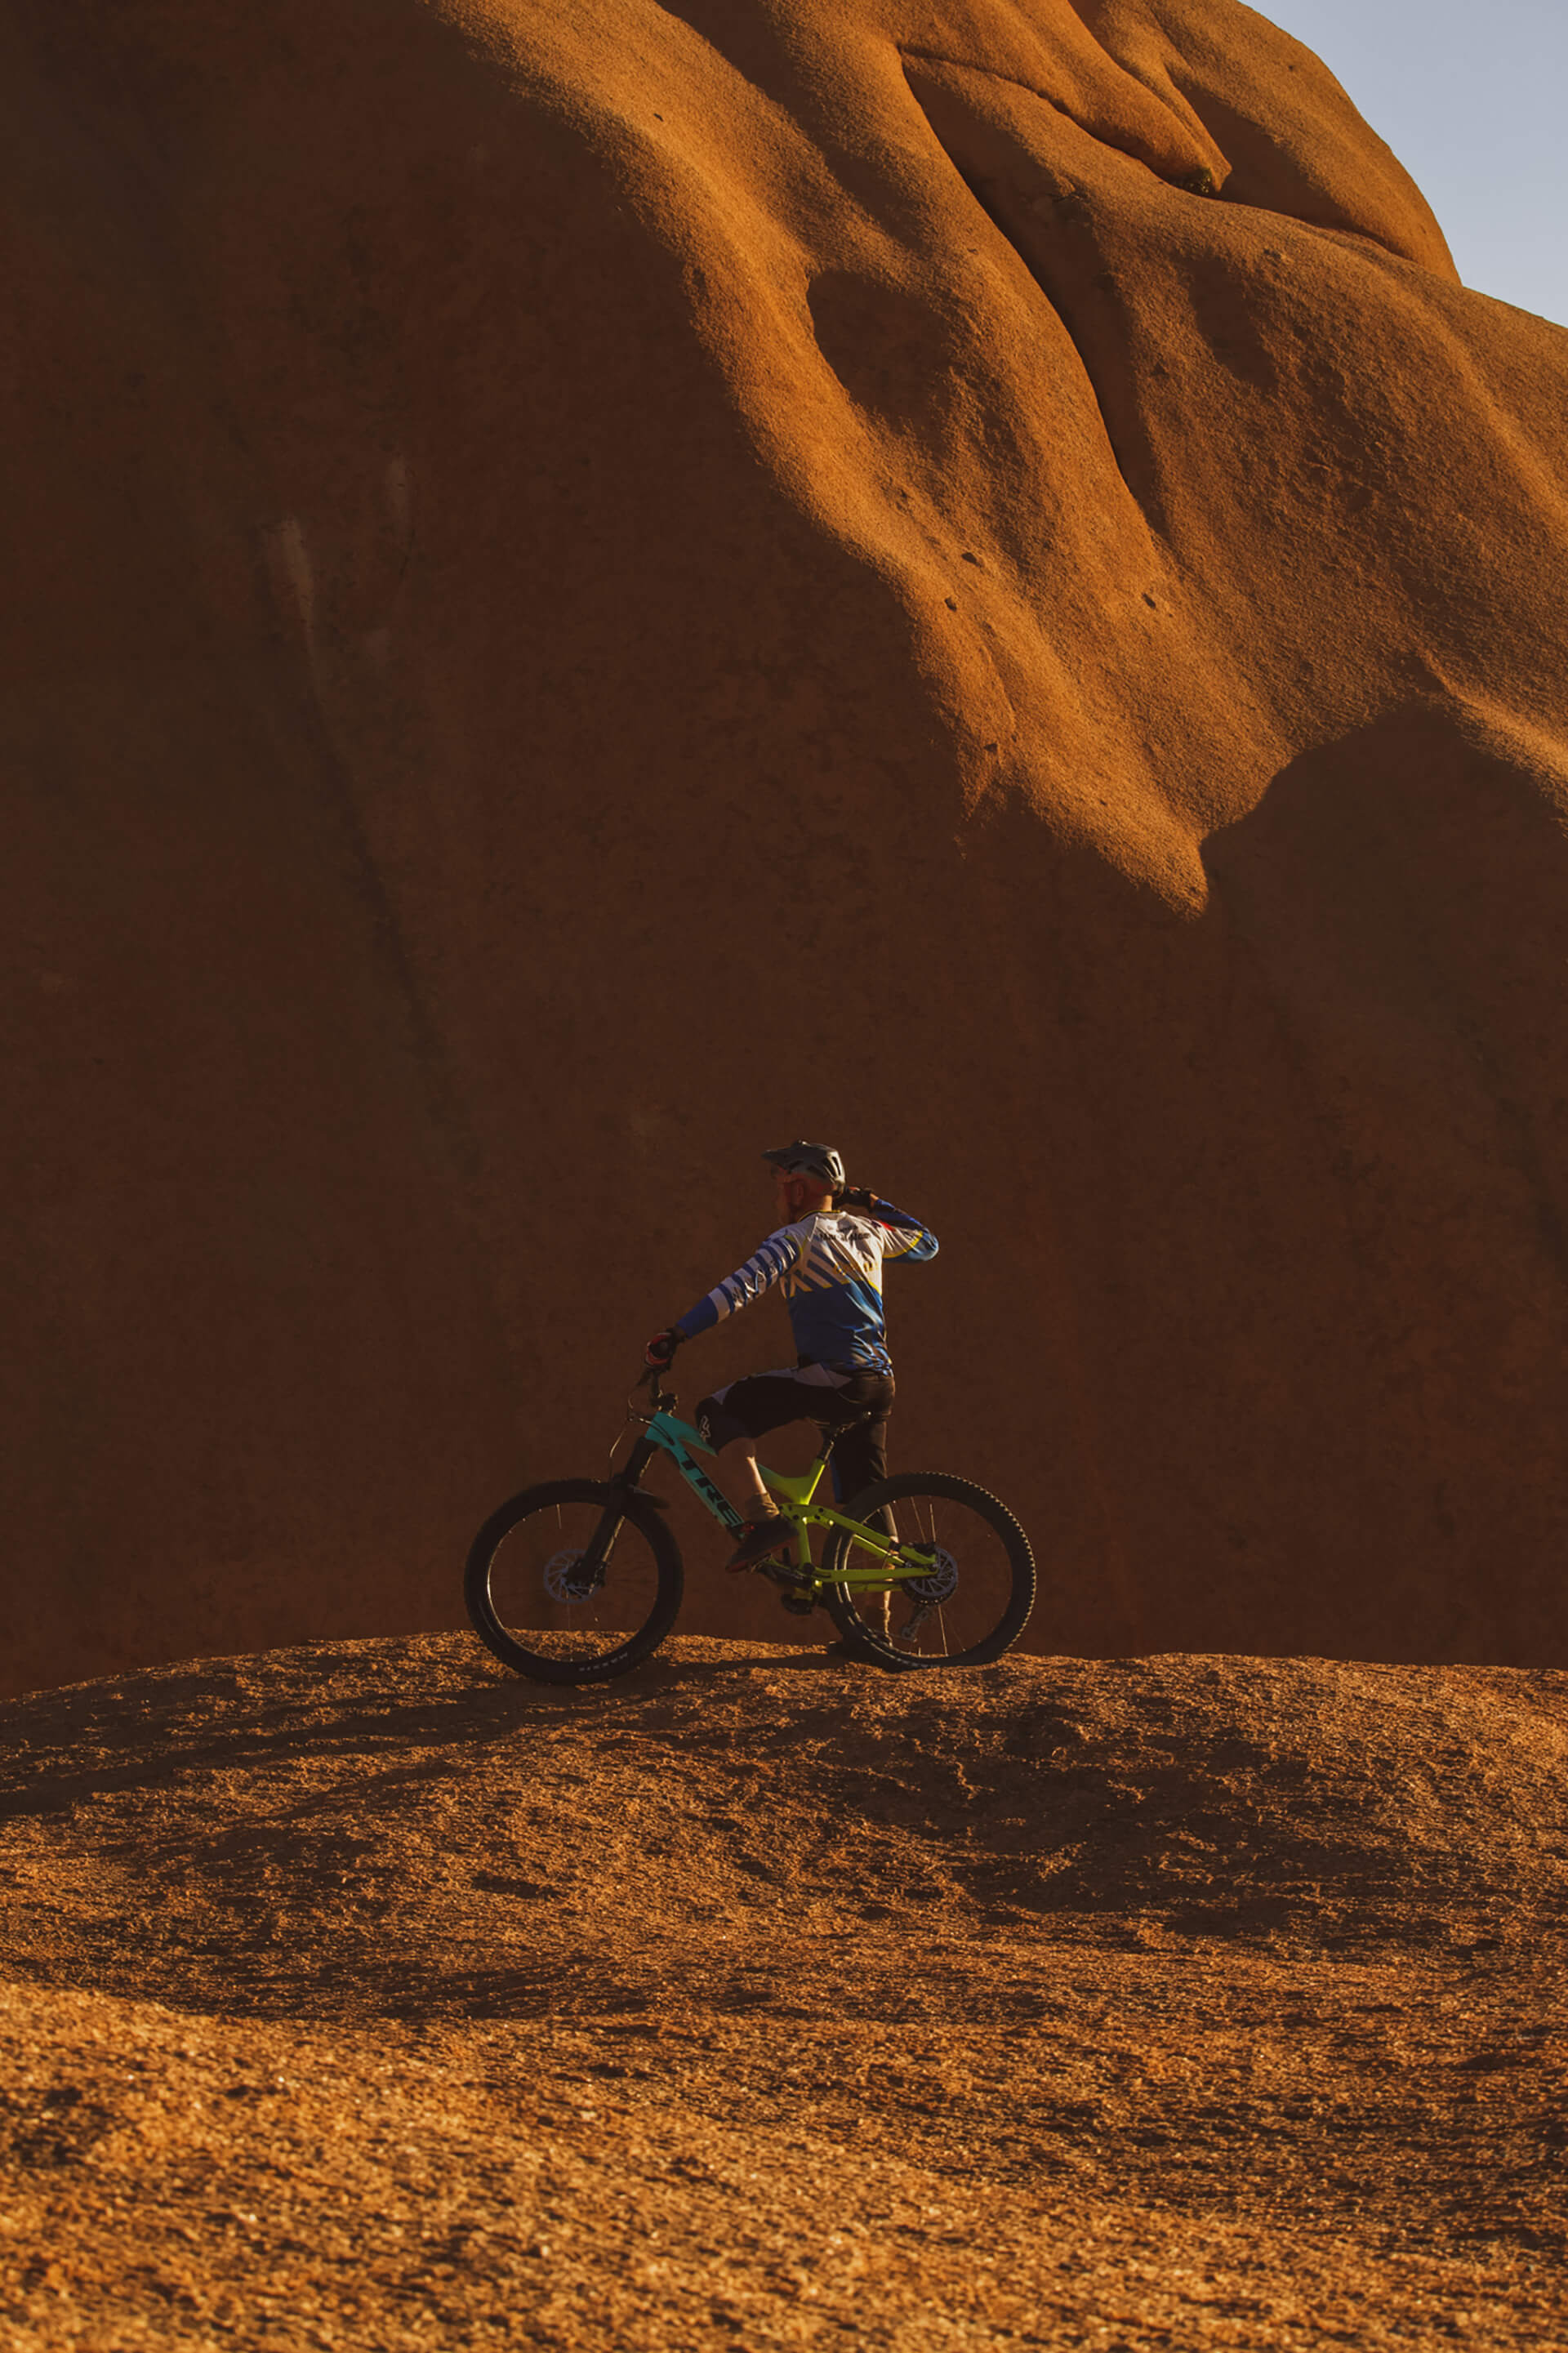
594, 587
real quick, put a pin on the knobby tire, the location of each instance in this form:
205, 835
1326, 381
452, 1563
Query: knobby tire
658, 1583
1010, 1575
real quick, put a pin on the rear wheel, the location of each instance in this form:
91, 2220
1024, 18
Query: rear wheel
574, 1582
968, 1607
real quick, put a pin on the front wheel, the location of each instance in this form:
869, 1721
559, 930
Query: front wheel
966, 1609
574, 1582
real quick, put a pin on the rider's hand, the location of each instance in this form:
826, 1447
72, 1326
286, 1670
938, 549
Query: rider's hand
857, 1197
661, 1350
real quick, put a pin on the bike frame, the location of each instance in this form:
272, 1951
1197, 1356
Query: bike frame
890, 1562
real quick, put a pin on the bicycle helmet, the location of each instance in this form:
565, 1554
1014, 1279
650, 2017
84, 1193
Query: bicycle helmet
809, 1160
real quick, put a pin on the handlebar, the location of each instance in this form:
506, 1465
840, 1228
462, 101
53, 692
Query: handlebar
658, 1400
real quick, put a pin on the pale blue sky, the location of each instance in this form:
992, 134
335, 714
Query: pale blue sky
1471, 95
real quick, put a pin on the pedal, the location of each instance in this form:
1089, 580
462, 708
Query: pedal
797, 1604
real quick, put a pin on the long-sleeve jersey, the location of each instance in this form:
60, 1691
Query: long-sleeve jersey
830, 1269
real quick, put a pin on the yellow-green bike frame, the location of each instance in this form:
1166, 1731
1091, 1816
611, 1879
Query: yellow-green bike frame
889, 1563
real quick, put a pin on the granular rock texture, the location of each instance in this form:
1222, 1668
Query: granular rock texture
355, 1995
593, 587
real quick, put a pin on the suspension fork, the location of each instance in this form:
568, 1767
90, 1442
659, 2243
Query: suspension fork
613, 1519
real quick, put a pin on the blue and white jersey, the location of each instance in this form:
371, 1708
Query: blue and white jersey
830, 1269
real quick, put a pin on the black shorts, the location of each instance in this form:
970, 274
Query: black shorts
858, 1403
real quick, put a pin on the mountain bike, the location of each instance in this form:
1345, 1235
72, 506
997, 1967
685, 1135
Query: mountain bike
580, 1580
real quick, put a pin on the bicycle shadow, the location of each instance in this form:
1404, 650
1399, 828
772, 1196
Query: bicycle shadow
175, 1720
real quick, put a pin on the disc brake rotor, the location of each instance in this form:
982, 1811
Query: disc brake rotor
563, 1580
937, 1583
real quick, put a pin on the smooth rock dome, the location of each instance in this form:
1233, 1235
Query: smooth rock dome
593, 587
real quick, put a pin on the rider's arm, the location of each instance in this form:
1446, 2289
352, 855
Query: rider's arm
902, 1236
762, 1271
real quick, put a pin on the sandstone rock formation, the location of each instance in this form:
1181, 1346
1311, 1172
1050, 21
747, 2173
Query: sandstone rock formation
356, 1995
592, 587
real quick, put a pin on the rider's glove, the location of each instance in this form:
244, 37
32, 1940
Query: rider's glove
857, 1197
661, 1350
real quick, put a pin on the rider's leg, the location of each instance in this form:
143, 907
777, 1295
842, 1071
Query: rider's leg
763, 1531
734, 1418
860, 1461
731, 1420
860, 1456
738, 1480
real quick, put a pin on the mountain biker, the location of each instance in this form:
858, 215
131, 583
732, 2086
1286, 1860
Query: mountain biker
827, 1253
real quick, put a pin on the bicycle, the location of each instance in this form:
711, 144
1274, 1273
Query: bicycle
580, 1580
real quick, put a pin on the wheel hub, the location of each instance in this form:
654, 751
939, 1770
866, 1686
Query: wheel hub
565, 1581
937, 1582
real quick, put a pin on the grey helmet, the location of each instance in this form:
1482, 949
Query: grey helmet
809, 1160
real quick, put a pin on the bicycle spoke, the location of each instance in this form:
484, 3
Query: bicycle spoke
555, 1595
963, 1578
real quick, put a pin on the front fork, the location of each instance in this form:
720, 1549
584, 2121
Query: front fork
598, 1558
